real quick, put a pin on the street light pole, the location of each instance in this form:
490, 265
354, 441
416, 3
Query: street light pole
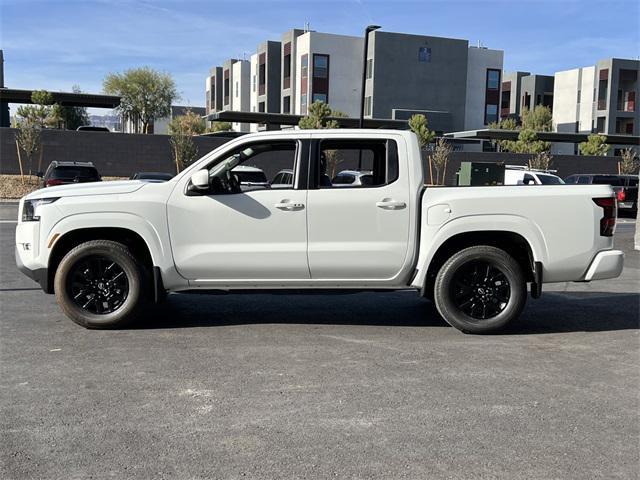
368, 30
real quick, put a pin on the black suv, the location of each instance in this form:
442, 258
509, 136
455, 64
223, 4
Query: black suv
63, 173
625, 186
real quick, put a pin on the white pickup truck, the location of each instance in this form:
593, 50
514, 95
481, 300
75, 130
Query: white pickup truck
108, 250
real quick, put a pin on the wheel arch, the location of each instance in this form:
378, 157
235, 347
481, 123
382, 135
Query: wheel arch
133, 240
511, 242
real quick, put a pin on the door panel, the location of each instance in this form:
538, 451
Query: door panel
247, 231
240, 236
360, 233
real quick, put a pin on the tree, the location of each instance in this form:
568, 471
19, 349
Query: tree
419, 125
181, 130
629, 164
439, 158
595, 145
318, 117
43, 112
508, 123
28, 140
219, 127
539, 119
145, 95
528, 143
541, 161
74, 117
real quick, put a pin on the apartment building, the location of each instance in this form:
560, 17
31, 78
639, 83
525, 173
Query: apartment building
599, 98
328, 69
484, 72
237, 79
536, 90
289, 63
267, 76
213, 90
456, 87
511, 92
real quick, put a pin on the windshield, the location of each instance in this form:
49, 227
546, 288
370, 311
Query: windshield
61, 173
550, 180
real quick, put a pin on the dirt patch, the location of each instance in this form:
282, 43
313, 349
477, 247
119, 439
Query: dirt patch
15, 187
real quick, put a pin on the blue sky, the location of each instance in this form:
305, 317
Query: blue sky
54, 44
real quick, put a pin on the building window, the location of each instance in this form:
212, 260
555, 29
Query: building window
579, 95
236, 89
286, 69
320, 66
491, 114
493, 79
262, 73
261, 107
424, 54
303, 104
304, 62
253, 83
370, 68
286, 104
367, 106
320, 97
601, 125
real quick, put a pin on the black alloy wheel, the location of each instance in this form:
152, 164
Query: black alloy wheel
481, 290
98, 285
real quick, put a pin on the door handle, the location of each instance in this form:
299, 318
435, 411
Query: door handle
388, 204
289, 206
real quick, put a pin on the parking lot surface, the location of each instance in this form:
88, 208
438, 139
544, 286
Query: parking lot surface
369, 385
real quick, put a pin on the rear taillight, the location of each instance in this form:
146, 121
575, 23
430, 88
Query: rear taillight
52, 182
608, 222
621, 195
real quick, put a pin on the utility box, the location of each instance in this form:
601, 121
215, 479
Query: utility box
480, 174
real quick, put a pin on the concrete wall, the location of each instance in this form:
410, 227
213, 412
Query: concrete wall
290, 36
345, 68
401, 81
516, 83
479, 61
114, 154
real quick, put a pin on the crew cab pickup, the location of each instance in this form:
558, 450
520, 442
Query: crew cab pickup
107, 250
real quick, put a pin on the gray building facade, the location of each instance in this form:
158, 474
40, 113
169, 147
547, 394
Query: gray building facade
536, 90
268, 76
288, 69
214, 90
409, 74
511, 92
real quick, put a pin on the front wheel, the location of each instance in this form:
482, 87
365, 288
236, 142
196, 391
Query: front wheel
99, 284
480, 289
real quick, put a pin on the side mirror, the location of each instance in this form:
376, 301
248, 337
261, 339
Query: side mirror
200, 179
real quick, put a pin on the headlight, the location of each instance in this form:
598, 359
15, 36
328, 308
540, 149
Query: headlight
29, 208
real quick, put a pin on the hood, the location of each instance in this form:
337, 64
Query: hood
90, 188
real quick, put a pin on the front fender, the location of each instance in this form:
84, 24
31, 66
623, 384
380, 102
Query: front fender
158, 246
432, 237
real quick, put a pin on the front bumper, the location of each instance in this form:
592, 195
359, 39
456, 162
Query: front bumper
606, 264
40, 275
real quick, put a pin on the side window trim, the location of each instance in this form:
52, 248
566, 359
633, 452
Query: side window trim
391, 154
300, 166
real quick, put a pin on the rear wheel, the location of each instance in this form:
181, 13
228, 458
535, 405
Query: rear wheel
480, 289
99, 284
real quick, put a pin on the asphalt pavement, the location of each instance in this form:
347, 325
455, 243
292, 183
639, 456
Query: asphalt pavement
369, 385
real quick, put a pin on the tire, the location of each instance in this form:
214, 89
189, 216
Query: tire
480, 289
99, 284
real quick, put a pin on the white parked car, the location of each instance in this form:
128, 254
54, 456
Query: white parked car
352, 178
108, 249
525, 176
